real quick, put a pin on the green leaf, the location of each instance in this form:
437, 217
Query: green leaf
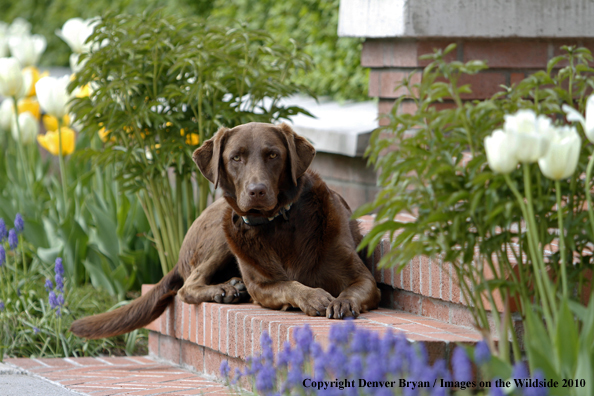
106, 236
566, 341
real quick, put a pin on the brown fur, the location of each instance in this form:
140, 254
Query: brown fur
306, 261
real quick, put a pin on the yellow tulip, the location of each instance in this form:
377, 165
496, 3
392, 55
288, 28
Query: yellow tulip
83, 91
51, 122
35, 76
192, 139
31, 105
50, 141
104, 136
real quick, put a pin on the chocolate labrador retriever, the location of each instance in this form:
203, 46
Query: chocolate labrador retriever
290, 235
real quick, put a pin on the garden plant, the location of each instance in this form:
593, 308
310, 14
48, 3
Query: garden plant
87, 196
501, 189
356, 361
171, 82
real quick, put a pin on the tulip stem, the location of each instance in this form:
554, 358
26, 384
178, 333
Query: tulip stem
561, 238
62, 167
531, 247
19, 143
589, 192
532, 230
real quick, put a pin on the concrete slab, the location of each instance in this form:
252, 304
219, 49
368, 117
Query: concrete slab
466, 18
14, 381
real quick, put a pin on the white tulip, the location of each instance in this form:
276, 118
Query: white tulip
500, 155
588, 122
75, 66
531, 134
75, 32
563, 154
11, 77
29, 128
6, 114
27, 49
19, 27
3, 40
53, 95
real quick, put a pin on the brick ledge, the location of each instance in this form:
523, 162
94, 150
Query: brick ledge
211, 332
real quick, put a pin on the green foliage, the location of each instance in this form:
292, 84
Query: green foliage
30, 327
468, 215
312, 24
48, 16
99, 235
170, 83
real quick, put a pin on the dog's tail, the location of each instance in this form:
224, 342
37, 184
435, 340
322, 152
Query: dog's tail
138, 313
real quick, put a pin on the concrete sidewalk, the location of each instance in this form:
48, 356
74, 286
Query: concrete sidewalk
102, 377
17, 382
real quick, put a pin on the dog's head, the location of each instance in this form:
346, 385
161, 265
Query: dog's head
255, 164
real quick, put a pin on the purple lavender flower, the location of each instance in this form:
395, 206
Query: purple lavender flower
359, 343
61, 299
482, 354
48, 285
375, 369
19, 224
13, 240
520, 371
495, 390
59, 269
355, 365
237, 376
265, 379
320, 361
3, 232
461, 365
284, 355
340, 334
304, 338
2, 255
225, 369
59, 312
1, 305
438, 391
36, 330
53, 300
266, 343
536, 391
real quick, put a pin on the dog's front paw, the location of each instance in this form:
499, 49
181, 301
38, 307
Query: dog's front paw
233, 291
315, 302
342, 308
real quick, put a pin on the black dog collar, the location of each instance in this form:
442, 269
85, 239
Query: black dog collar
259, 220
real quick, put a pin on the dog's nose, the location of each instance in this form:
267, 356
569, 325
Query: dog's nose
257, 190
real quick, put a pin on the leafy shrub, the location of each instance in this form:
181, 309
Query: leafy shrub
170, 83
49, 16
476, 219
312, 24
37, 306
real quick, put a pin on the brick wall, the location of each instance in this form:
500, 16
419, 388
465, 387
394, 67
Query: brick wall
348, 176
509, 61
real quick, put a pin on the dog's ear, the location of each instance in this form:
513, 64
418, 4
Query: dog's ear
301, 152
208, 156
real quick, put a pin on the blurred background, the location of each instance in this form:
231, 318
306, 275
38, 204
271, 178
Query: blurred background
336, 71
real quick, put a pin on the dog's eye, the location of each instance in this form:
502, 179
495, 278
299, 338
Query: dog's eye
273, 155
236, 158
